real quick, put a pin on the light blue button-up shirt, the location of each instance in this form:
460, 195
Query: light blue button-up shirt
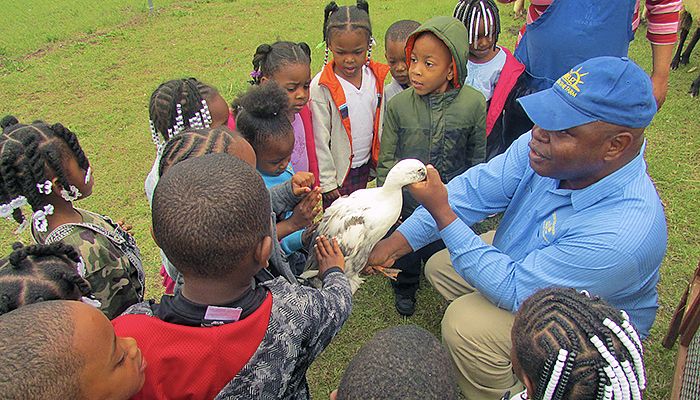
608, 238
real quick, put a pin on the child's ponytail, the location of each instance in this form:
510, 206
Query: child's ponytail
330, 8
270, 58
259, 60
363, 5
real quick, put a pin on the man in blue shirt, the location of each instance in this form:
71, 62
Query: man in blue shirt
579, 211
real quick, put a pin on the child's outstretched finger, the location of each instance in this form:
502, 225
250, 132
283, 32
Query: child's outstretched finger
336, 246
321, 248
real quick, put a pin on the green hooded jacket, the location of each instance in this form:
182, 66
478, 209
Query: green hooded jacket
447, 130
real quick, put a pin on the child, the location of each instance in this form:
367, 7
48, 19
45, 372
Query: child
62, 349
567, 345
222, 333
175, 106
347, 102
289, 65
262, 119
395, 53
42, 272
197, 142
493, 71
438, 120
44, 166
403, 362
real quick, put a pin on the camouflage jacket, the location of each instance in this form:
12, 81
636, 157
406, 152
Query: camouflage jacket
112, 259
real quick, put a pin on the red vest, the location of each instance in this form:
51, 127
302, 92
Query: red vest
191, 362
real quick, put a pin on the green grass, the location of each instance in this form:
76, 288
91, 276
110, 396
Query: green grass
92, 66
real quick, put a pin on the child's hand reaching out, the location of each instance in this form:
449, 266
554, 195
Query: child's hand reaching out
302, 182
306, 210
328, 254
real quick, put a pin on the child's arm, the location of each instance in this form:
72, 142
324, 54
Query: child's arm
109, 273
331, 305
321, 112
476, 148
387, 149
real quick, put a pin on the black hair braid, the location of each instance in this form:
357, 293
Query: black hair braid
40, 272
270, 58
346, 18
27, 154
71, 140
327, 11
465, 8
8, 121
162, 107
194, 143
554, 319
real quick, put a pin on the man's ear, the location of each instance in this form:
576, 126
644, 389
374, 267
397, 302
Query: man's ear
263, 250
618, 145
334, 394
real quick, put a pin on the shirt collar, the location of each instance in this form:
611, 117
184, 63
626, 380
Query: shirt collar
586, 197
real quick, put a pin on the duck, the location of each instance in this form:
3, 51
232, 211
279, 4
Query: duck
360, 220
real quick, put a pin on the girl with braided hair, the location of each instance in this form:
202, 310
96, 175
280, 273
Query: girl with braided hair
44, 167
288, 64
40, 272
347, 102
179, 104
568, 345
493, 71
174, 106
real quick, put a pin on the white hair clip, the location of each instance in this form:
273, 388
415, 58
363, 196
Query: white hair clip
87, 174
91, 302
45, 188
40, 222
80, 266
5, 210
71, 195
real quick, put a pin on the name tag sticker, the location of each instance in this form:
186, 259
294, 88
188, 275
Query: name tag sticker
215, 313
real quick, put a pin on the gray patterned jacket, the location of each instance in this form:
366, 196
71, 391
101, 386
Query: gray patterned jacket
303, 321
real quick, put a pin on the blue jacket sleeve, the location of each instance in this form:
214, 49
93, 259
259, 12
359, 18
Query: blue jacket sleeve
292, 242
482, 190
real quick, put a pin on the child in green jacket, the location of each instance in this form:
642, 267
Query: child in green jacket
438, 120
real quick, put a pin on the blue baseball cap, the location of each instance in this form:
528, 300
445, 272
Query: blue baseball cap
609, 89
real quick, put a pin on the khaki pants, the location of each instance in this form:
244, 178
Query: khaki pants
475, 332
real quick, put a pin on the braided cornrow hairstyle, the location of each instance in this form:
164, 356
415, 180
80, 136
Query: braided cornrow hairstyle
472, 12
270, 58
33, 154
187, 92
262, 115
346, 18
195, 143
38, 273
573, 346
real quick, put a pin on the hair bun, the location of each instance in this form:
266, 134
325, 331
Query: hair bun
265, 101
305, 48
363, 5
263, 49
8, 121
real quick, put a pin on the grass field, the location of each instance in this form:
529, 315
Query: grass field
92, 66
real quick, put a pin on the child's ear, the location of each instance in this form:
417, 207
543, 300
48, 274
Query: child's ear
263, 250
450, 74
264, 79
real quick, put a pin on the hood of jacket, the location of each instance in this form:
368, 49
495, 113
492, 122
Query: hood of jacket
454, 34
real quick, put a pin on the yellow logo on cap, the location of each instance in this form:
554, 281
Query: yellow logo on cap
571, 80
